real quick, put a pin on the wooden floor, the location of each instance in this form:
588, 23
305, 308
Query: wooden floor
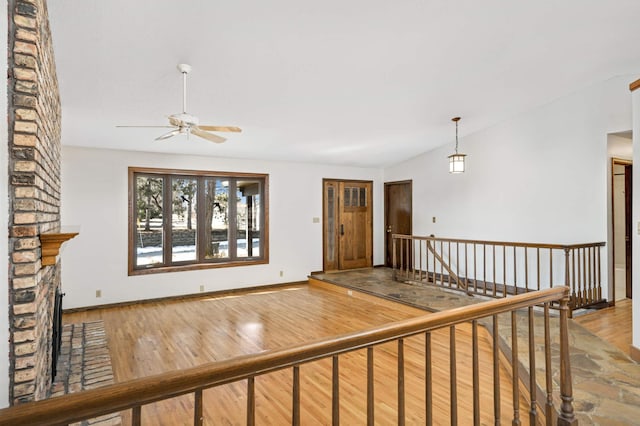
612, 324
158, 337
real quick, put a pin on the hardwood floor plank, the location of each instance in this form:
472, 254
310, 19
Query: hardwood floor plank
158, 337
611, 324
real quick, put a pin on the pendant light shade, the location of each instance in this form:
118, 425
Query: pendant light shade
456, 160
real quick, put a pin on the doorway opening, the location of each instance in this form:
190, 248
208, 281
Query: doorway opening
621, 196
347, 226
397, 214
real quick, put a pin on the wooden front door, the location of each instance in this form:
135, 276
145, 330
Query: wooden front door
397, 214
347, 224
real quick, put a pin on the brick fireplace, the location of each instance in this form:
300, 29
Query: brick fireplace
34, 197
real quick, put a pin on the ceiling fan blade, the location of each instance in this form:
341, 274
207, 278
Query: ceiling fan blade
168, 135
220, 128
206, 135
148, 126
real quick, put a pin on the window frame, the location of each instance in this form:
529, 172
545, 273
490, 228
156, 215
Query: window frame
200, 263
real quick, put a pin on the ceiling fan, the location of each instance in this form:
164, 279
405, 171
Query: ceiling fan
185, 123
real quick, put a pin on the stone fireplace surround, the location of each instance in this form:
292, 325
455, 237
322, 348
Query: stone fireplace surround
34, 116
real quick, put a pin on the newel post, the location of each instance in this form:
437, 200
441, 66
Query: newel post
566, 416
567, 274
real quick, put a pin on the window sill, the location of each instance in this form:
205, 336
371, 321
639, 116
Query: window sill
195, 266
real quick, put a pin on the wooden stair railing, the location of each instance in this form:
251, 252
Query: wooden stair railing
132, 395
499, 268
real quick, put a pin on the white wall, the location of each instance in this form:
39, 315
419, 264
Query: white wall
635, 249
4, 219
538, 177
94, 196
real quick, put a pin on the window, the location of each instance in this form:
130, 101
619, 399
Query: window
180, 220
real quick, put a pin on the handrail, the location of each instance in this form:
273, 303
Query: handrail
134, 393
504, 243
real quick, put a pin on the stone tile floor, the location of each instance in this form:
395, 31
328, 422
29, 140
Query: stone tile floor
606, 382
84, 363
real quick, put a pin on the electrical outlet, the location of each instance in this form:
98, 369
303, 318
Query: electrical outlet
434, 219
282, 273
349, 293
201, 288
98, 293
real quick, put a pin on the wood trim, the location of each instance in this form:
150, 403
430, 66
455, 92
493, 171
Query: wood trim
634, 353
635, 85
50, 243
193, 296
131, 267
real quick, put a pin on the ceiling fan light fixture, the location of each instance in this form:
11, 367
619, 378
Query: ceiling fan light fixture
456, 160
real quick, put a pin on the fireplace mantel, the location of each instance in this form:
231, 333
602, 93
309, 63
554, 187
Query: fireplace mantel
50, 243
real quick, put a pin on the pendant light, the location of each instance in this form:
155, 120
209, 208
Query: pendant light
456, 160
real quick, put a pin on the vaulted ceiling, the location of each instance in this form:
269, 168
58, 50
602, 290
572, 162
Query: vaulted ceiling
355, 82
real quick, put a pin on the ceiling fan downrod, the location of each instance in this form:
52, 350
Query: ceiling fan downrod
184, 69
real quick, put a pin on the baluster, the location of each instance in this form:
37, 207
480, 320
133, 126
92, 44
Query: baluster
197, 408
251, 401
335, 393
577, 295
599, 270
476, 376
504, 271
413, 257
370, 388
549, 409
533, 414
449, 259
550, 268
394, 263
566, 416
495, 282
538, 266
526, 270
567, 278
400, 382
136, 415
452, 375
428, 397
420, 261
434, 260
441, 264
466, 269
515, 374
515, 272
295, 417
475, 269
592, 297
484, 268
496, 372
458, 264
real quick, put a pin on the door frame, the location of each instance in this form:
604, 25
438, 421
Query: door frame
628, 223
337, 224
386, 210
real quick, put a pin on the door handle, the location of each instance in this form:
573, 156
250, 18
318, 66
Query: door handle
341, 229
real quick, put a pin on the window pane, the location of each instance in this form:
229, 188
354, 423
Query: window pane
216, 233
330, 224
248, 196
149, 220
183, 219
363, 197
